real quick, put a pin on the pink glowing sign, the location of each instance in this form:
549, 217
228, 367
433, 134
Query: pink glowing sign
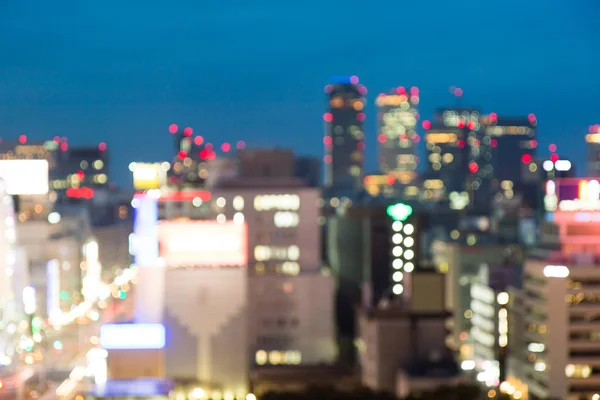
203, 243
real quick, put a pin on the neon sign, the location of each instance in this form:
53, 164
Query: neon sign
588, 193
399, 211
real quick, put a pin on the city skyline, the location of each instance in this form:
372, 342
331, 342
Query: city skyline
70, 83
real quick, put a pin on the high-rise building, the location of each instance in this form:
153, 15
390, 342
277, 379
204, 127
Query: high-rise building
593, 144
397, 119
344, 135
448, 163
512, 145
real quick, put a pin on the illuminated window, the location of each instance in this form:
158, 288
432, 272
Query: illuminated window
238, 203
286, 219
277, 202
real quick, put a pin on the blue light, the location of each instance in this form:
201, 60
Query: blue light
132, 336
549, 217
341, 80
146, 232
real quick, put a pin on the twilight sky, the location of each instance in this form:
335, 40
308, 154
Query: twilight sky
121, 71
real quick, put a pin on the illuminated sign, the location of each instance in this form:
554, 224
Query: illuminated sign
556, 271
277, 202
53, 288
25, 177
391, 100
147, 176
508, 130
203, 243
585, 196
132, 336
592, 138
145, 232
30, 152
80, 193
165, 196
441, 138
399, 211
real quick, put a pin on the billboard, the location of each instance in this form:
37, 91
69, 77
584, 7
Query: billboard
144, 241
203, 243
25, 177
132, 336
573, 194
147, 176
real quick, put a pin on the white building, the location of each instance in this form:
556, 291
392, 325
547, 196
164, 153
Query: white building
291, 298
559, 354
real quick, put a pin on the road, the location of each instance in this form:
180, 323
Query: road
77, 339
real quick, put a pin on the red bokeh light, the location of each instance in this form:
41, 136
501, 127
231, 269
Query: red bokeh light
182, 154
473, 167
23, 139
327, 159
212, 155
328, 89
360, 117
493, 117
552, 148
416, 138
203, 154
327, 117
554, 157
80, 175
534, 143
389, 180
354, 80
461, 144
102, 146
400, 90
327, 140
493, 143
458, 92
381, 138
362, 90
198, 140
64, 146
173, 128
188, 131
209, 147
526, 158
241, 145
426, 124
460, 123
531, 117
360, 146
471, 125
414, 91
80, 193
56, 139
225, 147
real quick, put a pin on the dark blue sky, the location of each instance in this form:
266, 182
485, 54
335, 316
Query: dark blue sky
121, 71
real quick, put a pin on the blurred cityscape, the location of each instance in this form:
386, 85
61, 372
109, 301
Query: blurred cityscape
230, 273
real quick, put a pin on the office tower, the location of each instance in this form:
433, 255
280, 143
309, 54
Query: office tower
344, 135
397, 118
512, 148
593, 145
552, 317
448, 163
85, 167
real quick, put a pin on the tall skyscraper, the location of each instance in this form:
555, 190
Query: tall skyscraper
512, 145
344, 135
593, 144
397, 118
